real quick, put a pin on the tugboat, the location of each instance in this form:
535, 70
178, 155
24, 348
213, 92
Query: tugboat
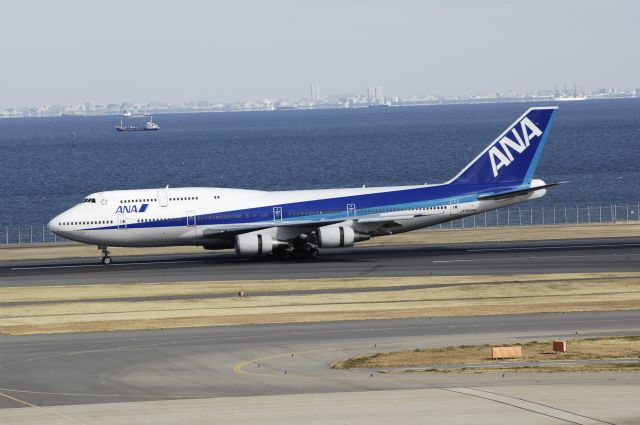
149, 126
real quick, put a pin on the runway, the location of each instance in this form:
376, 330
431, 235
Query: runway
280, 365
551, 256
274, 359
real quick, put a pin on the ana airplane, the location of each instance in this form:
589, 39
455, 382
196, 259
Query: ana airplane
297, 223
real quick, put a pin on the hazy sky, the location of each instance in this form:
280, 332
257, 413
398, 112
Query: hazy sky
111, 51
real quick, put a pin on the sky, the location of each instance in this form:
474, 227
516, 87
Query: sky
68, 51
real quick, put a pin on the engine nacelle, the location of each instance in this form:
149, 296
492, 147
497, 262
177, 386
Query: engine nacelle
338, 236
255, 244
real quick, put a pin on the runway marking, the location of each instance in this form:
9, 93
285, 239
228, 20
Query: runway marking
544, 405
53, 412
470, 392
539, 257
74, 266
524, 248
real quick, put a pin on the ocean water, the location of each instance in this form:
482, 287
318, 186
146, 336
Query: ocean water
49, 164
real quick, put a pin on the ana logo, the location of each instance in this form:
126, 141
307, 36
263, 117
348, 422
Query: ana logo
501, 154
130, 209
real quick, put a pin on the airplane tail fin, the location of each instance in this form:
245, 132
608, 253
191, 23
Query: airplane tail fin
511, 159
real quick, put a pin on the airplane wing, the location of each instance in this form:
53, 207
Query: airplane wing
300, 227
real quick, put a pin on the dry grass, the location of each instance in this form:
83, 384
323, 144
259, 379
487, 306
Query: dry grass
607, 367
78, 308
577, 349
74, 250
65, 293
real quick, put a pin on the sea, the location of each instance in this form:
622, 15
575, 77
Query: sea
49, 164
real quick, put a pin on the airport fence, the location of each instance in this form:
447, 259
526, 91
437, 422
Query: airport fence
503, 217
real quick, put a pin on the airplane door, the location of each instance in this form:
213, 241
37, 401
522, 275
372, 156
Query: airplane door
351, 210
121, 221
191, 219
277, 214
454, 207
163, 201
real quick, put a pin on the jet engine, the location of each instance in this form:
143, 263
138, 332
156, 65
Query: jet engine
255, 244
338, 236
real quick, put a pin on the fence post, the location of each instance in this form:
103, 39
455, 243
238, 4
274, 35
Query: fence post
542, 209
565, 215
627, 212
19, 235
554, 215
474, 221
31, 233
519, 216
55, 237
485, 219
530, 217
577, 215
497, 216
588, 214
7, 234
508, 216
600, 220
42, 234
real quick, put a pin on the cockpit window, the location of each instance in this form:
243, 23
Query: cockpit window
90, 200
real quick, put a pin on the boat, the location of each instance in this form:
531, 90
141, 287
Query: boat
149, 126
569, 98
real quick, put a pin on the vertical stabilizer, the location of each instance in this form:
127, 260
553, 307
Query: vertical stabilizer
513, 156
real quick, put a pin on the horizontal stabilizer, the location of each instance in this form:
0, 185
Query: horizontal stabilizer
512, 193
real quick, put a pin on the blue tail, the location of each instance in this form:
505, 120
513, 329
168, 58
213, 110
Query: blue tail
512, 158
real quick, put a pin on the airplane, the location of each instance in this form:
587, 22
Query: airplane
297, 223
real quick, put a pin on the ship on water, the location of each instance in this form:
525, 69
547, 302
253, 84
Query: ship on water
149, 126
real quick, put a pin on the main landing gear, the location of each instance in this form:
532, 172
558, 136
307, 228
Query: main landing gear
306, 250
105, 255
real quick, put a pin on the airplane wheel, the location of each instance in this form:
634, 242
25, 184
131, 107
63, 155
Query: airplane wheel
283, 254
106, 260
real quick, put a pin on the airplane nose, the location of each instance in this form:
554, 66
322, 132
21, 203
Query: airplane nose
54, 225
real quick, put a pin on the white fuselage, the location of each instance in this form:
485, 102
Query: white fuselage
211, 216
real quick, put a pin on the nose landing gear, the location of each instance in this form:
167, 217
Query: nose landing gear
106, 259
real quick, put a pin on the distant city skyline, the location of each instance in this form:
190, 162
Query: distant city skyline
146, 51
372, 97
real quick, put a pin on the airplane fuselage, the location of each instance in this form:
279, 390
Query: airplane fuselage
211, 217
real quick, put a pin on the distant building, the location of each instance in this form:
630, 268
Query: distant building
371, 94
374, 95
315, 92
378, 94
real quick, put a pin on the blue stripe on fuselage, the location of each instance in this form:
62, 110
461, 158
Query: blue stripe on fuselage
336, 208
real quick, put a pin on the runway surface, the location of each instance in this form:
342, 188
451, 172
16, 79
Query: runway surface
274, 359
555, 256
291, 362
